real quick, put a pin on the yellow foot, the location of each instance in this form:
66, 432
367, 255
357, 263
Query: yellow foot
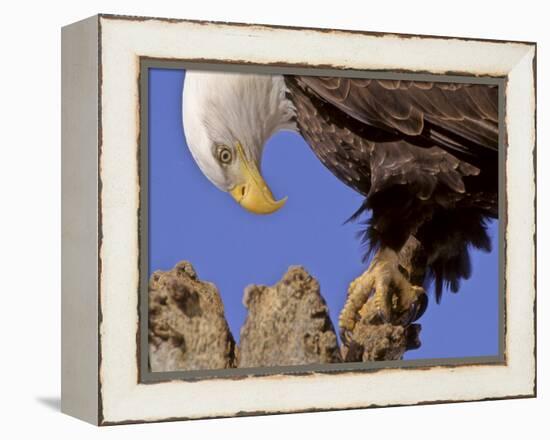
384, 288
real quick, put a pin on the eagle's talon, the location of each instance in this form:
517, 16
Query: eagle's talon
413, 313
382, 294
420, 305
413, 301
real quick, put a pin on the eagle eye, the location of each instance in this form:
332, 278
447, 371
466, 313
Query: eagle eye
224, 155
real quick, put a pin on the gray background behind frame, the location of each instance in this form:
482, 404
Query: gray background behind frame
146, 376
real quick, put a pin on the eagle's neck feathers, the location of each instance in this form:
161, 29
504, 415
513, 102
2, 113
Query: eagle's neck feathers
257, 109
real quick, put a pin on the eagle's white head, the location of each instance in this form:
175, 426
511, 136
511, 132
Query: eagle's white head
227, 119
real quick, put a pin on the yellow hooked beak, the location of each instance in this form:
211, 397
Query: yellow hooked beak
254, 195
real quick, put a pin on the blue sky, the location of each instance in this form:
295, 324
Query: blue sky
190, 219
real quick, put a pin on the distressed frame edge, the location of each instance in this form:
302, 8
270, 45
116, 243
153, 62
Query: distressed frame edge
237, 24
531, 53
535, 202
102, 421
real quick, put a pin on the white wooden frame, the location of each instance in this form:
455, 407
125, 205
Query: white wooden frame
101, 65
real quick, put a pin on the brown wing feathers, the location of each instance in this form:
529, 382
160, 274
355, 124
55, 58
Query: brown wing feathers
424, 154
469, 111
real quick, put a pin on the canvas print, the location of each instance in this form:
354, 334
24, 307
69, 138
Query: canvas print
303, 220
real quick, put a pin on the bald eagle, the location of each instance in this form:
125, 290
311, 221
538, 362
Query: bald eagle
423, 154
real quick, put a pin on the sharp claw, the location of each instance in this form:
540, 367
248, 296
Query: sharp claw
414, 312
423, 305
418, 307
